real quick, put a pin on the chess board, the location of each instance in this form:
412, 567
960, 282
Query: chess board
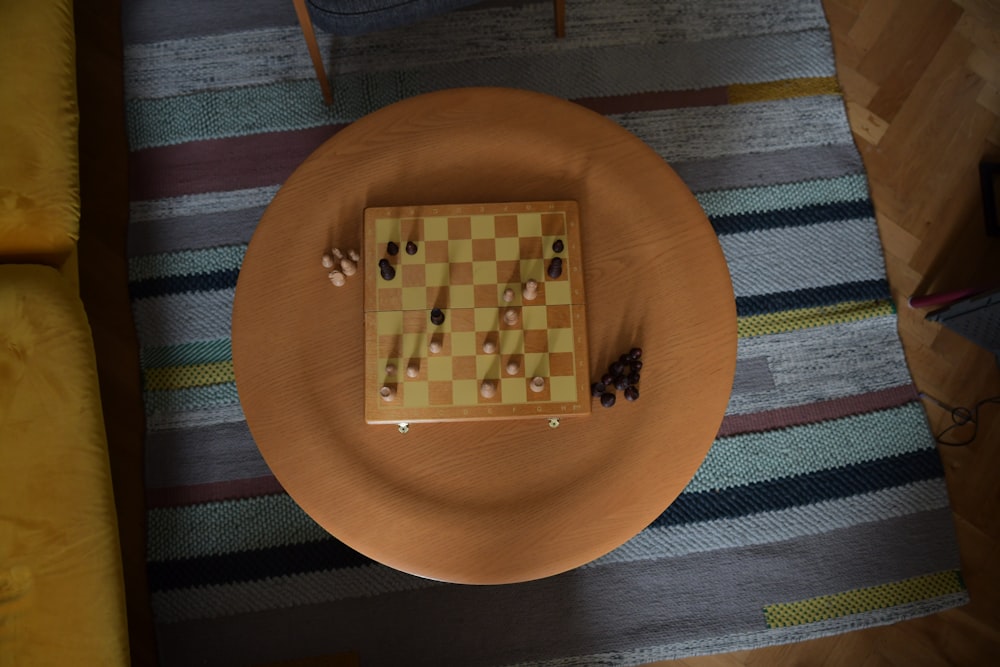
466, 257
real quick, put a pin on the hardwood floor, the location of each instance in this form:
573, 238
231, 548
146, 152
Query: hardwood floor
921, 80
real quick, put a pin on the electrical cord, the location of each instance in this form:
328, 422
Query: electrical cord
960, 416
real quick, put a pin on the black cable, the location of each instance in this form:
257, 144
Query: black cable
960, 416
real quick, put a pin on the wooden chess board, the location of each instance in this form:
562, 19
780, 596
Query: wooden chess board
466, 257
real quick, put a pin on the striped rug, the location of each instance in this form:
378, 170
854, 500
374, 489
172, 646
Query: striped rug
821, 507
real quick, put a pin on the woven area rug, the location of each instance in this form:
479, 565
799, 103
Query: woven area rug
821, 507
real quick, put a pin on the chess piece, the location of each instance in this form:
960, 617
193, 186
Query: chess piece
348, 267
411, 248
537, 384
513, 366
555, 268
413, 370
530, 290
327, 260
489, 347
337, 278
488, 389
392, 248
386, 269
557, 245
390, 369
387, 393
354, 256
508, 295
435, 346
337, 254
510, 317
437, 317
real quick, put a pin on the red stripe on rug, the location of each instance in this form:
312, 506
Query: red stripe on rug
174, 496
666, 99
218, 165
818, 412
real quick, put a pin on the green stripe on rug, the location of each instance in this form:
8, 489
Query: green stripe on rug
750, 458
862, 600
186, 262
188, 354
736, 201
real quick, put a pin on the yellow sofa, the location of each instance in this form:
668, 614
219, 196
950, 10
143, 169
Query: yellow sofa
62, 596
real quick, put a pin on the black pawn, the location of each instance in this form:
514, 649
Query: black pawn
392, 249
557, 245
555, 268
607, 399
437, 317
387, 271
632, 394
411, 248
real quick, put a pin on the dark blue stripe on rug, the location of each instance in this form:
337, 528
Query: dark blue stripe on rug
812, 297
687, 508
798, 217
230, 568
804, 489
199, 282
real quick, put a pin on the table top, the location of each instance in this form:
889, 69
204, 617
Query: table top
486, 502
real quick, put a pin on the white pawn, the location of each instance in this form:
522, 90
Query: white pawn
510, 317
387, 393
508, 295
537, 384
328, 261
434, 347
488, 389
413, 370
348, 267
530, 290
513, 367
489, 347
337, 278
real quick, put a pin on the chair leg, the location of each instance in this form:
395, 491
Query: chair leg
310, 36
559, 7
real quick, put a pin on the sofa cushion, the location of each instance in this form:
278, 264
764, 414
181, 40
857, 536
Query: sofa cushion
357, 17
39, 183
61, 592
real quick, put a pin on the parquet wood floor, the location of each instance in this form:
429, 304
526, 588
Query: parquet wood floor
921, 80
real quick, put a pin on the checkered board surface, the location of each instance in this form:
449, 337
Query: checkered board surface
467, 255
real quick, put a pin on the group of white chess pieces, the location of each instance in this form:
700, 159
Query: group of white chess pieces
488, 388
341, 266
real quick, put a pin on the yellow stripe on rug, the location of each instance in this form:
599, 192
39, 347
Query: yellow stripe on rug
741, 93
180, 377
863, 600
805, 318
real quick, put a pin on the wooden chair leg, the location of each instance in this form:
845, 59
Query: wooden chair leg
310, 36
559, 7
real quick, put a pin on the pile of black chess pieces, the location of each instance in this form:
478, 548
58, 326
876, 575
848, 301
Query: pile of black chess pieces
622, 375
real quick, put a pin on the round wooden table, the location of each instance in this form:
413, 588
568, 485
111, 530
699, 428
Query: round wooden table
486, 502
